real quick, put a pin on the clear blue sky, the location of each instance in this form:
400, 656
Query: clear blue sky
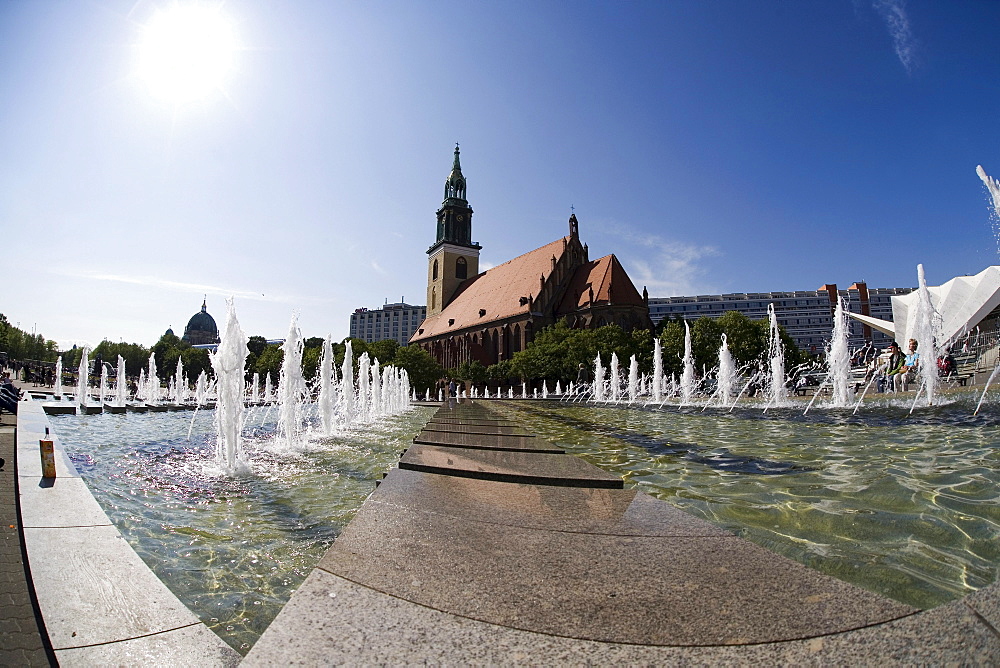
713, 146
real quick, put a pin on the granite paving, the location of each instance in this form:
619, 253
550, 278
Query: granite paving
507, 466
486, 441
622, 512
656, 590
474, 429
441, 568
332, 621
453, 425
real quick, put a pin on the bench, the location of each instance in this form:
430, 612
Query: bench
960, 378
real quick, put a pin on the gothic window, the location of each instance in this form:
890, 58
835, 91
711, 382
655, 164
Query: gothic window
461, 268
434, 290
434, 271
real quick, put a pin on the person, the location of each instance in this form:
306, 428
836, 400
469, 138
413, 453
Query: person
9, 395
894, 368
910, 364
946, 365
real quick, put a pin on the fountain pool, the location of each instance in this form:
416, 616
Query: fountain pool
232, 548
904, 505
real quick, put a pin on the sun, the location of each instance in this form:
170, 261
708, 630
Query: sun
186, 51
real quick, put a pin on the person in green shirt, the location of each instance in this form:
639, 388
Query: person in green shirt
894, 368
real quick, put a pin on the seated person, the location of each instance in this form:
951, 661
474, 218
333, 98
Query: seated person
910, 366
894, 368
946, 365
9, 396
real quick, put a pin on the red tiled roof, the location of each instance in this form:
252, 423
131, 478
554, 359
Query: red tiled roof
498, 291
600, 275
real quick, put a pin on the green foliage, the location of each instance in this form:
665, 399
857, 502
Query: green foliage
256, 345
169, 349
136, 356
473, 371
748, 342
311, 357
501, 371
20, 345
423, 369
269, 363
558, 351
313, 342
195, 361
384, 351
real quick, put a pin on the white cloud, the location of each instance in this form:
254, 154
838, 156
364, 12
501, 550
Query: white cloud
667, 268
180, 286
893, 12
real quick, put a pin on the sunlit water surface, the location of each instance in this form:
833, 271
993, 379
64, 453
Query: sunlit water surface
904, 505
233, 549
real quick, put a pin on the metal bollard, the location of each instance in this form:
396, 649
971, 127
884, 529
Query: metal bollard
47, 451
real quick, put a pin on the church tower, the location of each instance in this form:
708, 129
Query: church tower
454, 257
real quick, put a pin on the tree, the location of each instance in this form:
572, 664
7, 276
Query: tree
195, 360
310, 361
558, 351
473, 371
748, 342
384, 351
20, 345
269, 362
747, 338
313, 342
501, 371
136, 356
168, 350
423, 370
256, 345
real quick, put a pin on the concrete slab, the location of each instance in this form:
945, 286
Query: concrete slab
93, 588
489, 442
474, 429
508, 466
474, 423
467, 409
618, 512
331, 621
29, 460
639, 590
187, 646
63, 502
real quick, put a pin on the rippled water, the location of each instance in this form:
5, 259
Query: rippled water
904, 505
232, 549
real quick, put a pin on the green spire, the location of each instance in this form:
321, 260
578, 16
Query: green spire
454, 187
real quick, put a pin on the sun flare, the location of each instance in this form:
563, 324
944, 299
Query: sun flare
186, 52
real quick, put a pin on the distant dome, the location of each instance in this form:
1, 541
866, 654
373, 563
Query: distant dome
201, 328
169, 332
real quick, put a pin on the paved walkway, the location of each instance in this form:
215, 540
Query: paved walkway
485, 546
22, 642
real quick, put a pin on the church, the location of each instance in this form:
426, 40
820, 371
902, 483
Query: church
489, 316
